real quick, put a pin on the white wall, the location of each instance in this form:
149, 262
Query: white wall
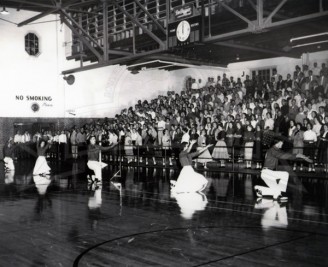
24, 75
178, 77
106, 91
100, 92
284, 65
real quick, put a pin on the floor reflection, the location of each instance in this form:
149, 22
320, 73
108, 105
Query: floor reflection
134, 186
274, 215
189, 203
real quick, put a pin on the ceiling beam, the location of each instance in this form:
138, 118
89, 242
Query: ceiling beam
236, 13
151, 16
297, 19
39, 16
86, 34
32, 3
268, 26
134, 20
257, 49
274, 12
121, 60
54, 8
81, 37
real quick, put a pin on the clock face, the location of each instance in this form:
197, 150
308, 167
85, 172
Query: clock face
183, 31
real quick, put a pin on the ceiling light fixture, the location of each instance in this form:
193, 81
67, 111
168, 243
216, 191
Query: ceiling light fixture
314, 43
308, 36
4, 11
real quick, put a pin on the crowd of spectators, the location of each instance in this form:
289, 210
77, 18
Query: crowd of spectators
239, 118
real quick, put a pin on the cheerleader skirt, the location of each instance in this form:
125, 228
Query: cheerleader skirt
189, 181
41, 166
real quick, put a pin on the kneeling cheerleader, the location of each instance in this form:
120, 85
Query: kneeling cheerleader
189, 180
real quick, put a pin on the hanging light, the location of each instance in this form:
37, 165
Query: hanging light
4, 11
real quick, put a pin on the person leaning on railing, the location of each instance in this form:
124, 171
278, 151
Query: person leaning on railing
310, 139
323, 148
298, 143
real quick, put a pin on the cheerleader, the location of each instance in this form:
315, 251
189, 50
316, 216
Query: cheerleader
41, 166
93, 159
189, 181
9, 153
276, 181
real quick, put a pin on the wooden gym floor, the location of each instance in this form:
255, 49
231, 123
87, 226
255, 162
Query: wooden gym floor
133, 220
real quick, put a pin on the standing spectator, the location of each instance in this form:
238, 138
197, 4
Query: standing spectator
18, 145
166, 147
310, 139
74, 146
160, 128
205, 156
269, 122
149, 142
113, 142
62, 140
238, 140
9, 153
220, 151
323, 148
248, 143
81, 143
298, 143
128, 147
185, 136
257, 150
230, 137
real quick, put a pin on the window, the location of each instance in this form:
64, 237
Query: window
32, 44
264, 74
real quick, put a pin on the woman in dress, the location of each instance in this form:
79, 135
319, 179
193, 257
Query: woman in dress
323, 148
230, 137
249, 143
166, 147
220, 151
189, 180
298, 143
128, 148
41, 166
238, 140
205, 156
211, 138
149, 146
